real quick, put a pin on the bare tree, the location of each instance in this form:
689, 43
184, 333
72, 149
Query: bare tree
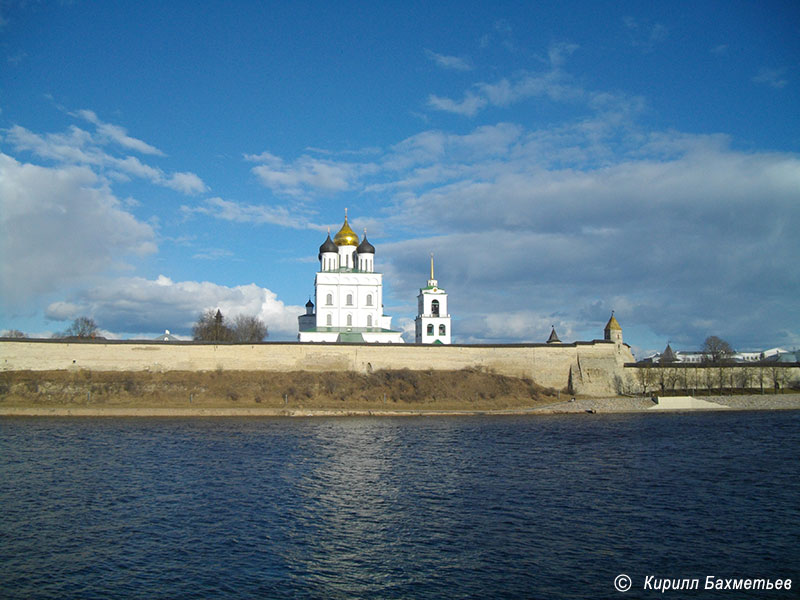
721, 372
744, 375
708, 378
717, 349
14, 333
644, 375
779, 376
82, 327
760, 377
249, 329
671, 375
211, 327
683, 377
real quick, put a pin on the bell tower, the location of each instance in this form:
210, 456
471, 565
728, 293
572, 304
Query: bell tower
432, 325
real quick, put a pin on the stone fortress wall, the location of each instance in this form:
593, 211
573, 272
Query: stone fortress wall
593, 368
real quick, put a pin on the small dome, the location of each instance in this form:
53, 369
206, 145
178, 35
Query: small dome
309, 304
346, 236
328, 245
365, 247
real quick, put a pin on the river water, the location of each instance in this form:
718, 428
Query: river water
450, 507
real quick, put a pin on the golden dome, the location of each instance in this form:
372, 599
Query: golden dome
346, 236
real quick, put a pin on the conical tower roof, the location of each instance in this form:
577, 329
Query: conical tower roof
553, 339
668, 355
613, 323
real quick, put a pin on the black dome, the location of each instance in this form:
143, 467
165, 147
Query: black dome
365, 247
328, 246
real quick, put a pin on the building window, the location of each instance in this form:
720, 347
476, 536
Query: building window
349, 299
435, 308
329, 300
349, 320
329, 321
369, 299
369, 320
442, 330
430, 329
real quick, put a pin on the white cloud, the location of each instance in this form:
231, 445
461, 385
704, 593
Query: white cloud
70, 147
306, 174
697, 234
771, 77
118, 134
432, 149
139, 305
468, 107
60, 227
455, 63
213, 254
77, 146
188, 183
553, 84
251, 213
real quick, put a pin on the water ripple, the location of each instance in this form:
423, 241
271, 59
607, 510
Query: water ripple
547, 507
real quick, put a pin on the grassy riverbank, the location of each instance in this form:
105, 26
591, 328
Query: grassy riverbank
248, 393
251, 392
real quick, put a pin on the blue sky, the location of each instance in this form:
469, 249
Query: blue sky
561, 159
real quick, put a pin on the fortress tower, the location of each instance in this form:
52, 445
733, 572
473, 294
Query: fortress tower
433, 321
348, 293
613, 331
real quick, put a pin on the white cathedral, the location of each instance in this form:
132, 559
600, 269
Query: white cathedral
349, 298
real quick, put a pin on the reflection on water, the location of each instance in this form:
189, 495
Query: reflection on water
550, 507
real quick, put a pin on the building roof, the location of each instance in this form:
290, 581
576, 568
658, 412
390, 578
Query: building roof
328, 245
346, 236
365, 247
613, 323
166, 337
668, 355
553, 339
783, 357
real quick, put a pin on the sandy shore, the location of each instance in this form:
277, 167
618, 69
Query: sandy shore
580, 405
